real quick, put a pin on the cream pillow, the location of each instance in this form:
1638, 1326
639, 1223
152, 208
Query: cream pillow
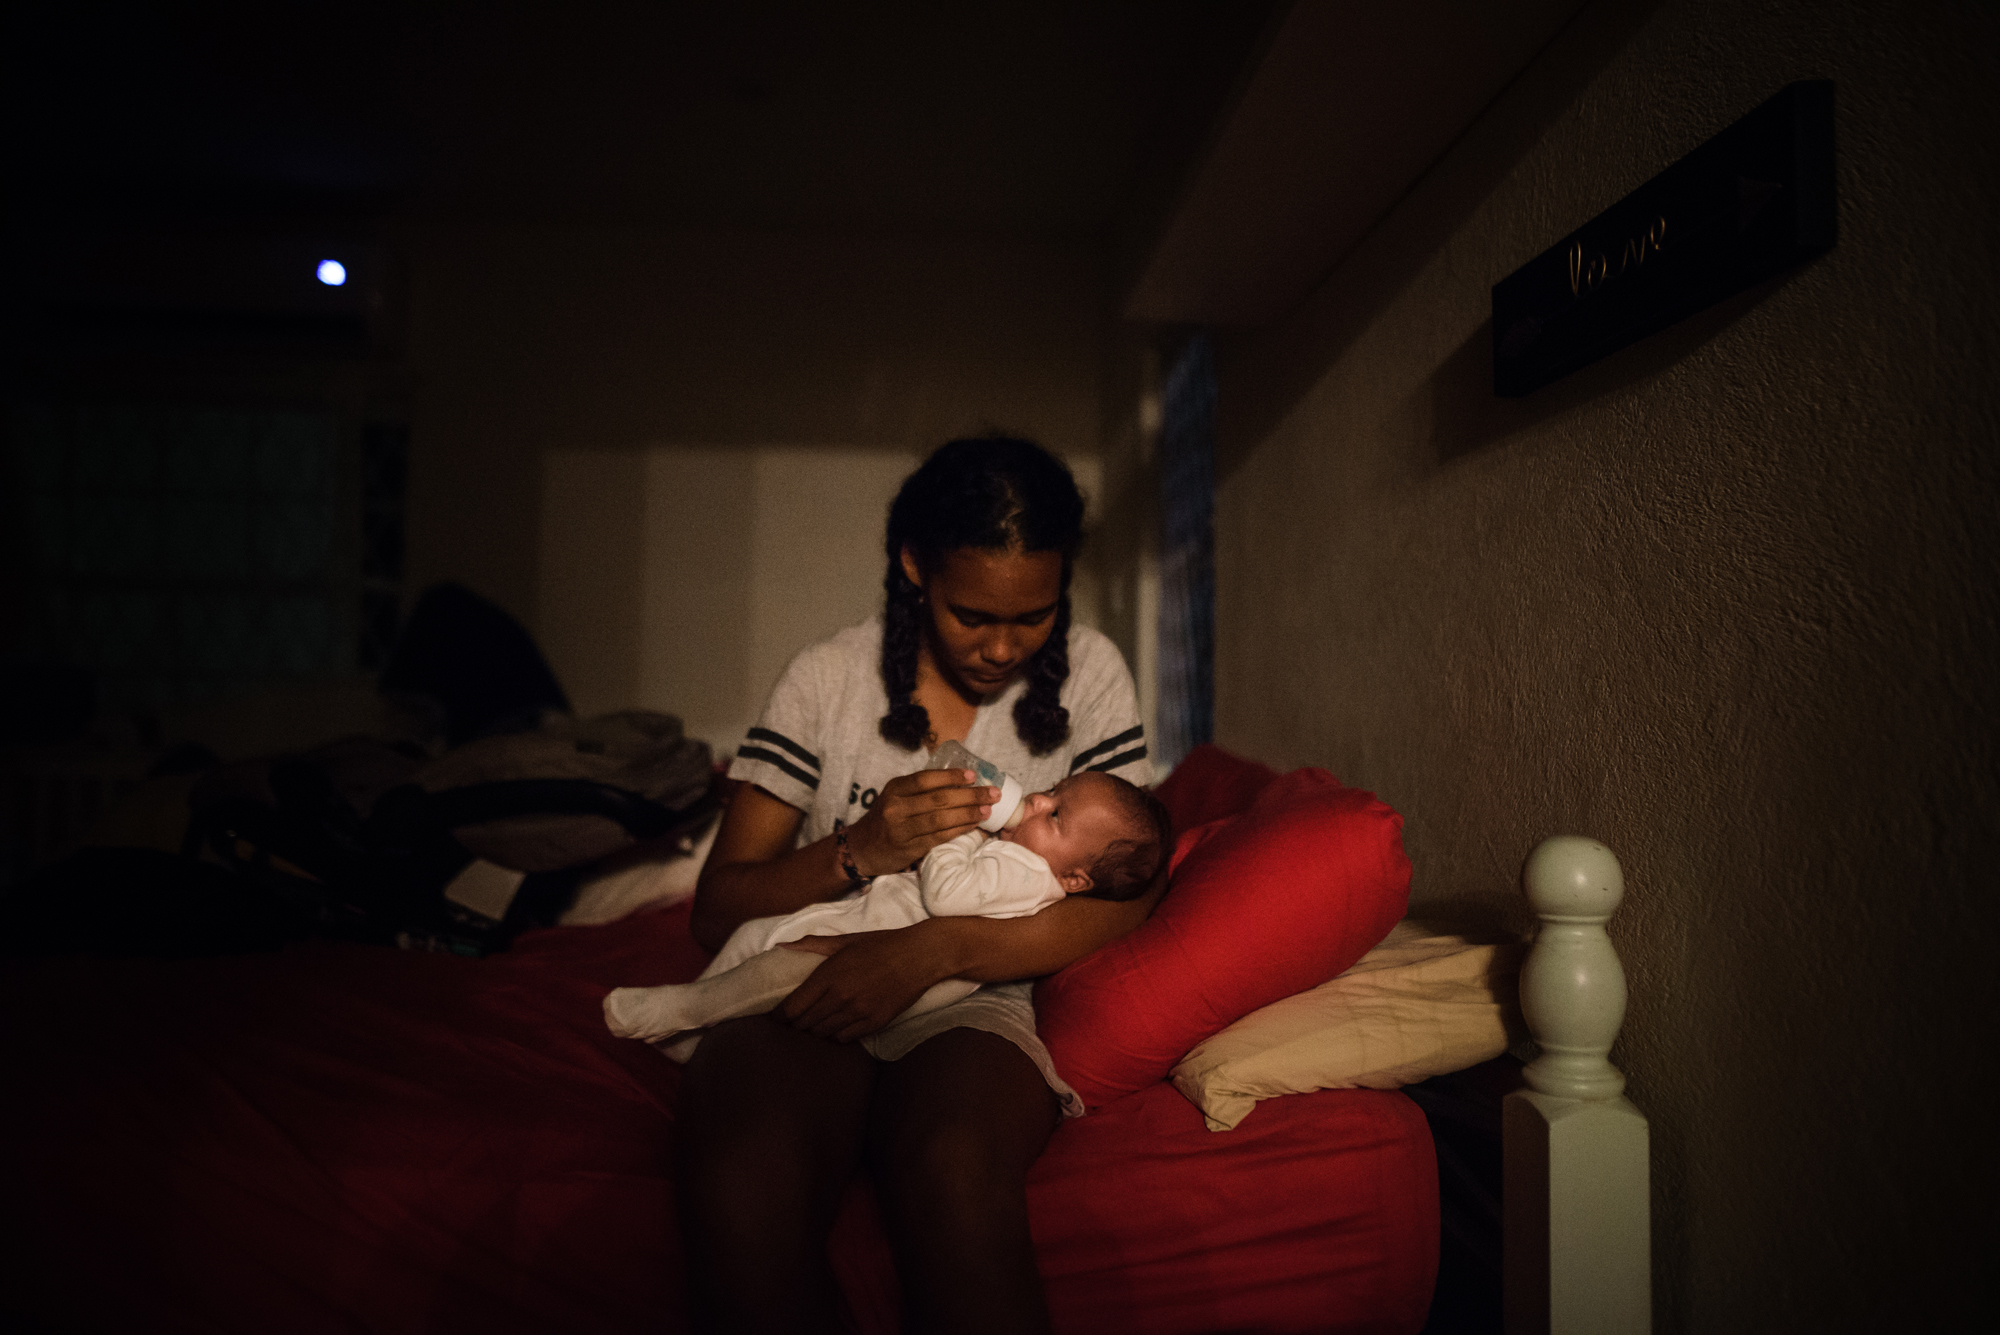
1429, 1000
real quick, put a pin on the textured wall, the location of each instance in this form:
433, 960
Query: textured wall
1725, 601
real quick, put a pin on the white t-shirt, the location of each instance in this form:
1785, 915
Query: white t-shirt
818, 747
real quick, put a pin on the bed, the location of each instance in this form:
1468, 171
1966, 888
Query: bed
343, 1137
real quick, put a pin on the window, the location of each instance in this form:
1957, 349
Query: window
1187, 554
188, 553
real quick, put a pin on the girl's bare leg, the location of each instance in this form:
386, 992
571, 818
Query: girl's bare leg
956, 1125
768, 1128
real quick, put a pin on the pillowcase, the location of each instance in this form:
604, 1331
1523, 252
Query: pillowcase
1209, 784
1429, 1000
1271, 901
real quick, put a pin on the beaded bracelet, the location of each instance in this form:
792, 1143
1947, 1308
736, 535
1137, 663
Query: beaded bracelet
855, 880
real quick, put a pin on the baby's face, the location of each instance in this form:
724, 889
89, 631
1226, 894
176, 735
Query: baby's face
1069, 826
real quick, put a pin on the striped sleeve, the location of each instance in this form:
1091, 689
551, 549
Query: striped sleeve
1112, 753
774, 748
1104, 712
779, 755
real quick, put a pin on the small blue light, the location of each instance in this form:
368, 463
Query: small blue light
332, 272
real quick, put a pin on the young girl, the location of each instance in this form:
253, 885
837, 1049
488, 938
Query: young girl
948, 1110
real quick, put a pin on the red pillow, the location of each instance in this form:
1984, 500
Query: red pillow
1210, 783
1263, 904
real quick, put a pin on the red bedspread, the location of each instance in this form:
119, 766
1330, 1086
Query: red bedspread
340, 1138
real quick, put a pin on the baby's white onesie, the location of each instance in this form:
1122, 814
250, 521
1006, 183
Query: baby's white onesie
972, 875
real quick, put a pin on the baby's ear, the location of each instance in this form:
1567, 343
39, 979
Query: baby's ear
1075, 881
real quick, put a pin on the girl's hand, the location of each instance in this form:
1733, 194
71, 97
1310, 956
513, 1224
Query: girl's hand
913, 814
868, 979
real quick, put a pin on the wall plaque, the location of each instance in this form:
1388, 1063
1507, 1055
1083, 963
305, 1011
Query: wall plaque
1751, 202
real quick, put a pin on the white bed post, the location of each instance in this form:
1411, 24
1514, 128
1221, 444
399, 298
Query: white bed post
1578, 1246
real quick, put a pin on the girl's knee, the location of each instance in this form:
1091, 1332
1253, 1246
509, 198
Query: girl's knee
957, 1162
761, 1112
933, 1151
759, 1065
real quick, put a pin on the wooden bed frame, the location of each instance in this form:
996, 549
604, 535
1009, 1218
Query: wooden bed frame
1577, 1239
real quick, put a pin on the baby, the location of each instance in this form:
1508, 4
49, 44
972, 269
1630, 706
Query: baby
1091, 834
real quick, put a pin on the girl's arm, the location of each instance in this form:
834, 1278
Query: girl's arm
872, 977
754, 872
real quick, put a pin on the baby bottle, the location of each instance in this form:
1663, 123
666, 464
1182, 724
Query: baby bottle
1009, 810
